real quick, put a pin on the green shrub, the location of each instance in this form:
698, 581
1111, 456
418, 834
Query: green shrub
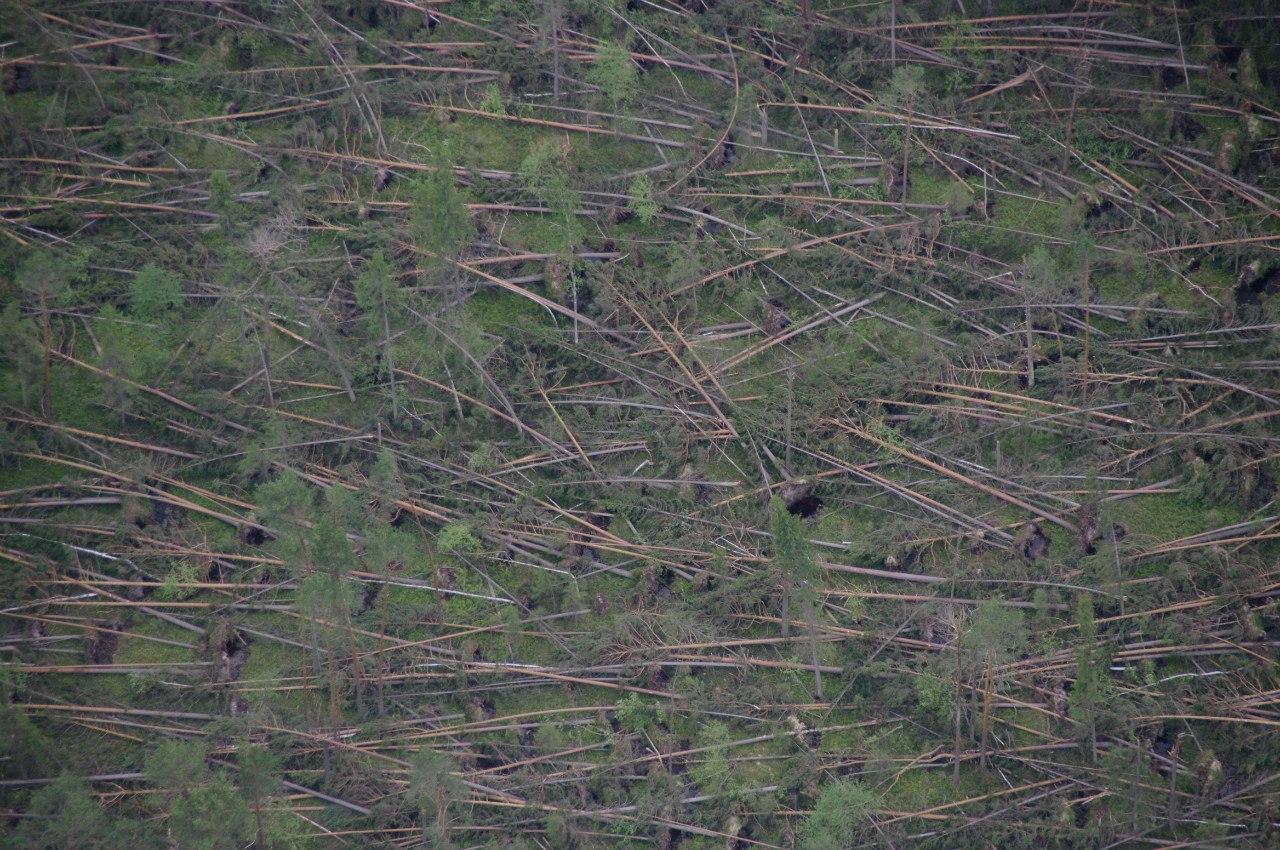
842, 813
614, 72
641, 202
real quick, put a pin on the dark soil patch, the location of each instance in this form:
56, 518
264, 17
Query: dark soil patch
251, 535
369, 596
1032, 542
234, 655
103, 643
1254, 283
800, 499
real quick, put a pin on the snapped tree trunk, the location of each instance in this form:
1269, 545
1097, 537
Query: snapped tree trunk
386, 353
786, 607
48, 356
1174, 753
986, 718
355, 672
1031, 362
813, 646
260, 841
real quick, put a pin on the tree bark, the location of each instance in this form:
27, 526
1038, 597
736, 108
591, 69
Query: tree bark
986, 719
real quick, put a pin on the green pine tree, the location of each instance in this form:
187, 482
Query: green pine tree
842, 813
1086, 692
259, 780
284, 506
438, 218
212, 816
61, 815
328, 597
797, 571
434, 786
152, 292
614, 72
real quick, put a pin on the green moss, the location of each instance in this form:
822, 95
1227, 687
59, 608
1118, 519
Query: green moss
499, 311
477, 143
1161, 518
928, 187
1030, 215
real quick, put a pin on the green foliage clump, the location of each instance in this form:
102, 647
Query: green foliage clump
1091, 677
995, 633
20, 353
492, 102
63, 814
23, 747
905, 85
222, 199
210, 817
545, 174
386, 484
614, 72
640, 200
259, 779
177, 581
438, 220
458, 537
434, 786
791, 549
634, 713
481, 459
285, 505
326, 592
174, 767
713, 773
153, 291
376, 290
936, 697
842, 813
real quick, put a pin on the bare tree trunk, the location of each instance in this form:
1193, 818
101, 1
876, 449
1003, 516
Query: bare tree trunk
382, 631
786, 607
1093, 738
893, 31
261, 841
355, 673
906, 157
791, 379
335, 715
986, 718
806, 12
48, 356
813, 647
264, 351
1174, 753
391, 366
1084, 358
955, 771
557, 62
1031, 362
1081, 67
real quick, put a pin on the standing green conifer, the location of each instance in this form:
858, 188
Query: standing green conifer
259, 779
153, 291
438, 220
434, 787
797, 570
1086, 693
